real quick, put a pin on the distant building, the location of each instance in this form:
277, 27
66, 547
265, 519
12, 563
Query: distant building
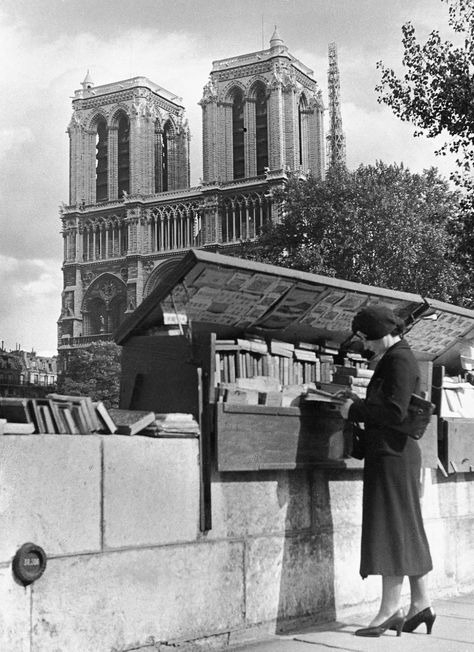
131, 210
25, 373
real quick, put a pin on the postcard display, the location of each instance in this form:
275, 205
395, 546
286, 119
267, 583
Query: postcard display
215, 322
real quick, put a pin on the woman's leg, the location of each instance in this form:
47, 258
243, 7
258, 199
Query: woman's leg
419, 594
391, 591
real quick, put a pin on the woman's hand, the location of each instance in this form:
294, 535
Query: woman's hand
344, 394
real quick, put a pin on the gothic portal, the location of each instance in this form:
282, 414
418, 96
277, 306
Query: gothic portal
131, 211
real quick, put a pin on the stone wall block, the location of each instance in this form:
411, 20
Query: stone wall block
441, 535
49, 493
289, 577
151, 491
267, 502
464, 551
440, 496
14, 614
336, 499
349, 588
129, 599
465, 494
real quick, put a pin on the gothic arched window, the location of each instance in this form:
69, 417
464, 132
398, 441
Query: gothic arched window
164, 157
101, 170
158, 144
261, 129
123, 151
238, 130
302, 131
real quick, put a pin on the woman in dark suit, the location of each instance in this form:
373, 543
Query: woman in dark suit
394, 542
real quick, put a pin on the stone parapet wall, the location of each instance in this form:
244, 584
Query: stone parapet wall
128, 568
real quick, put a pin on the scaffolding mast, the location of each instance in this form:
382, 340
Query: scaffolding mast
336, 140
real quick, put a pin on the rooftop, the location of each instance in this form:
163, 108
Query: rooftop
89, 90
277, 49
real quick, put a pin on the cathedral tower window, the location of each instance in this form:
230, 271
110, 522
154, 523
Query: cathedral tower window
158, 145
302, 132
165, 157
123, 152
261, 128
101, 185
238, 131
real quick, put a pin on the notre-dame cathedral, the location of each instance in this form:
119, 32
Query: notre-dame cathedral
131, 209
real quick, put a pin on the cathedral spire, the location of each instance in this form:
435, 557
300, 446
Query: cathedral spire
336, 140
277, 44
276, 39
87, 83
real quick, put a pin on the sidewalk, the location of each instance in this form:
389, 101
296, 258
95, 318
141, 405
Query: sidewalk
453, 631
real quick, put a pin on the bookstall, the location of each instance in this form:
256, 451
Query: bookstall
253, 351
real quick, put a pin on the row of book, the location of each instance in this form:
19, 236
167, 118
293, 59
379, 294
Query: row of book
55, 414
290, 364
264, 390
80, 415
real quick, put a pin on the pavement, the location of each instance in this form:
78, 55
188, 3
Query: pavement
453, 631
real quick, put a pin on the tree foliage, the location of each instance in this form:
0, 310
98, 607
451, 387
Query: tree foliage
380, 225
436, 93
93, 371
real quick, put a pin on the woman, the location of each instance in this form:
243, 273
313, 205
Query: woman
394, 542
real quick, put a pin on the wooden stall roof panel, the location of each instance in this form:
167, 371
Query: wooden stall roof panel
232, 296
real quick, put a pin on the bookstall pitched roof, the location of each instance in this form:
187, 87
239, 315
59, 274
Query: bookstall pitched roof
208, 291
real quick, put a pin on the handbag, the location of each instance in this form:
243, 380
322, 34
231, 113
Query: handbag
357, 448
417, 419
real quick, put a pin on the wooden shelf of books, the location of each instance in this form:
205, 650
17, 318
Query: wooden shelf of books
273, 407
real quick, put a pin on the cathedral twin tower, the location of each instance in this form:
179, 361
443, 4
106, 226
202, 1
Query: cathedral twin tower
131, 209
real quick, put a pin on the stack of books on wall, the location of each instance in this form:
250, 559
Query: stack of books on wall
355, 379
457, 398
55, 414
173, 424
79, 415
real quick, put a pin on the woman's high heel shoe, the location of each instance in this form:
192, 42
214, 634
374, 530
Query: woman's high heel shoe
395, 621
427, 616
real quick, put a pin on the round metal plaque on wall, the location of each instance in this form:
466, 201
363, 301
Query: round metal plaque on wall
29, 563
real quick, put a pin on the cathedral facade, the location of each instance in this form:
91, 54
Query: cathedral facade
131, 209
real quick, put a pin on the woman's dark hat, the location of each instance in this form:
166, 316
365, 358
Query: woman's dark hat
376, 322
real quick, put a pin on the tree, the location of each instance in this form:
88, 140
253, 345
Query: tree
380, 225
93, 371
436, 93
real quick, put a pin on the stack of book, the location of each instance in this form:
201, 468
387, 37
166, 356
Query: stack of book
355, 360
355, 378
172, 424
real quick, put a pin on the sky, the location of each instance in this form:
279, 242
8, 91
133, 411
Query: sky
47, 46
